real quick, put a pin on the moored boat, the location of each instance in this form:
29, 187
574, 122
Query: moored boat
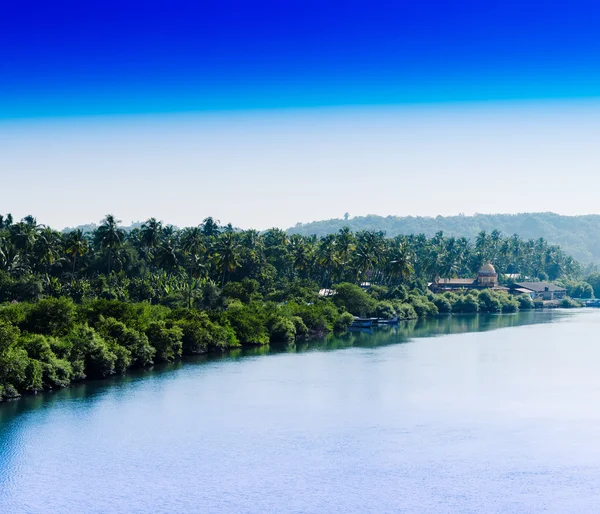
361, 322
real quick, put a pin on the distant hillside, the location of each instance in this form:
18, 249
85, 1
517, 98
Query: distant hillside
577, 235
90, 227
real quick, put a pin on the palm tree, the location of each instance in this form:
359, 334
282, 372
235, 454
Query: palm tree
193, 241
369, 249
210, 227
345, 243
399, 265
228, 254
327, 258
24, 235
10, 258
109, 236
151, 233
482, 247
77, 245
6, 221
48, 247
301, 253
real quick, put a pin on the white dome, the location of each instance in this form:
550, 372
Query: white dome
487, 269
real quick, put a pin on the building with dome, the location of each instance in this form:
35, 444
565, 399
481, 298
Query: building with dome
487, 278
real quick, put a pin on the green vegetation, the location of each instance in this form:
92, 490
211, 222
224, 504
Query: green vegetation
578, 236
81, 304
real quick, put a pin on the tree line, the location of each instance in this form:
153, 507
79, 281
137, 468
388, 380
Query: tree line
578, 236
160, 263
76, 305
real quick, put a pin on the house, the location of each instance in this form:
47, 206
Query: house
539, 290
487, 278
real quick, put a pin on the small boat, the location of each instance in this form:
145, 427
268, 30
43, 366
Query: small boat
361, 322
591, 303
392, 321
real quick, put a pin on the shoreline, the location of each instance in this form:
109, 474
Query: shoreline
313, 342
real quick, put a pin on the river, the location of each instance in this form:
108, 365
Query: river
487, 414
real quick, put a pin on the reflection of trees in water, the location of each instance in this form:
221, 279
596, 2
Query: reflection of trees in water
379, 336
430, 327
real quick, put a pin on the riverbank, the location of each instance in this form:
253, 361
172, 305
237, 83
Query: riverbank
404, 332
54, 343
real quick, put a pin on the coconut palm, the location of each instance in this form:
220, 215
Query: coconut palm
109, 236
24, 235
210, 227
48, 247
399, 265
227, 256
76, 245
301, 253
151, 233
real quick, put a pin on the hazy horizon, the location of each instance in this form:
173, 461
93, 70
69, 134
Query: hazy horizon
280, 167
129, 223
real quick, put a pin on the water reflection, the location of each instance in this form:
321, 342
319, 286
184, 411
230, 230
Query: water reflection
355, 426
365, 338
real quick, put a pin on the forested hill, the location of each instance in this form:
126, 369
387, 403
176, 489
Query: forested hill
578, 236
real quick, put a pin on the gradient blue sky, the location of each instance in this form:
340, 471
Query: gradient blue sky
267, 113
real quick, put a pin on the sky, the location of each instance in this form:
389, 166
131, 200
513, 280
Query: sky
267, 113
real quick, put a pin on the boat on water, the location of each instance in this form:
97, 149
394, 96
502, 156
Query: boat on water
361, 322
591, 303
391, 321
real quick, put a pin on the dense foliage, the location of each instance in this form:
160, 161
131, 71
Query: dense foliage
199, 266
578, 236
89, 304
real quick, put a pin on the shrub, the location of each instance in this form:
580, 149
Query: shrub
248, 322
13, 361
13, 313
90, 355
245, 291
140, 350
55, 371
510, 305
442, 303
407, 311
353, 299
200, 334
301, 328
378, 292
594, 280
343, 322
58, 372
489, 302
422, 306
122, 357
525, 302
317, 317
581, 290
283, 330
569, 303
385, 310
53, 316
399, 293
34, 376
165, 340
466, 304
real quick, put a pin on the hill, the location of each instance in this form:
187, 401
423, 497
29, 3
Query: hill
579, 236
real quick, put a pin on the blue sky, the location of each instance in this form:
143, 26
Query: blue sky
336, 75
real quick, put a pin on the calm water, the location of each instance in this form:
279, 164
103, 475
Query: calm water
447, 415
